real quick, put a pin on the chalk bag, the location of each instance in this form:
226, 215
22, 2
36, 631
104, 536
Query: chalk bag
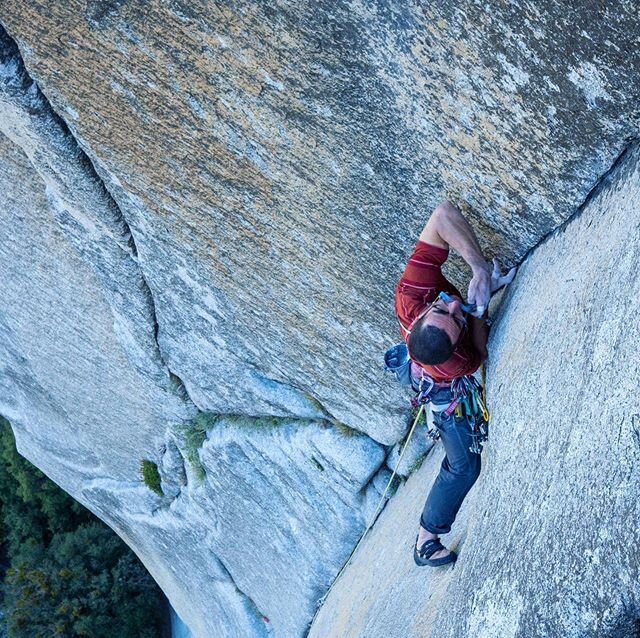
396, 360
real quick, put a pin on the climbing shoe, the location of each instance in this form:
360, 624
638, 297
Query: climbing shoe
423, 555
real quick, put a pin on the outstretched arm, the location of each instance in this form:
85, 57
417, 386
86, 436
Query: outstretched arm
480, 325
447, 227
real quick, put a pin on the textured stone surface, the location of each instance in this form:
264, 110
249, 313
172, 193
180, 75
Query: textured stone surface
275, 162
85, 386
548, 537
215, 226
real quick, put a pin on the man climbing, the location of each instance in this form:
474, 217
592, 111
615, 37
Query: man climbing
447, 342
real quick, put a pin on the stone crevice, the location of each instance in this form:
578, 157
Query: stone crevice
601, 183
35, 104
248, 600
120, 229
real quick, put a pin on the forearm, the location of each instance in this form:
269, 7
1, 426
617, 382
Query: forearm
456, 231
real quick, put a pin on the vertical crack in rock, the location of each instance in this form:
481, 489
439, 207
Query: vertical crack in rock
94, 224
87, 213
600, 183
260, 617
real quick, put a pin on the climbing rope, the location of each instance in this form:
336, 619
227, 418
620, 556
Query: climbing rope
376, 512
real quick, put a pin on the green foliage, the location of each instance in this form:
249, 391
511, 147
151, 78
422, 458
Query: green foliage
68, 574
31, 506
194, 435
85, 583
151, 476
345, 430
242, 420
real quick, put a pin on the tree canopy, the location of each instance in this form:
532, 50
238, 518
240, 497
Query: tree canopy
65, 573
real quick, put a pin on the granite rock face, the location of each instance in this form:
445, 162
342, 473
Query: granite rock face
89, 395
274, 163
283, 498
548, 537
208, 207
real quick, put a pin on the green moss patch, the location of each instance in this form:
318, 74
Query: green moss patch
151, 476
194, 435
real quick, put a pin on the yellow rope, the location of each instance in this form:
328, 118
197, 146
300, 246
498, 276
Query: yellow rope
375, 513
485, 410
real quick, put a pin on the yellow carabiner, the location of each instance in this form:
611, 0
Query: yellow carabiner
485, 413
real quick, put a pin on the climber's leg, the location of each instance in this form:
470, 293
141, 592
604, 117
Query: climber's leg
459, 470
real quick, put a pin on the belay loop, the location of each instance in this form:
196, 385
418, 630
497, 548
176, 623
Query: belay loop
423, 391
423, 396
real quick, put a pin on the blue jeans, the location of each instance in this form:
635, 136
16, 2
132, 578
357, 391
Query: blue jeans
458, 472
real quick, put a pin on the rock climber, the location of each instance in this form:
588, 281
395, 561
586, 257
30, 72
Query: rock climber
446, 340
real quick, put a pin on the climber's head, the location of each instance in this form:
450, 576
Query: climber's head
435, 333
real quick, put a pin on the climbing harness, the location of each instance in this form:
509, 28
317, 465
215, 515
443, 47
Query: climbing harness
468, 402
468, 395
468, 398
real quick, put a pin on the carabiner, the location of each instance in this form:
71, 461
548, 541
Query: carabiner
485, 413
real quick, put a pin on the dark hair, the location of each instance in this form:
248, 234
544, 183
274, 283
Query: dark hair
429, 345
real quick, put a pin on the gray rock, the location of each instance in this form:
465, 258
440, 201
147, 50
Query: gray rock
377, 494
288, 493
87, 412
547, 539
274, 165
172, 469
212, 226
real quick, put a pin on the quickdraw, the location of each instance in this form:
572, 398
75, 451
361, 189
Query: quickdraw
468, 403
468, 397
